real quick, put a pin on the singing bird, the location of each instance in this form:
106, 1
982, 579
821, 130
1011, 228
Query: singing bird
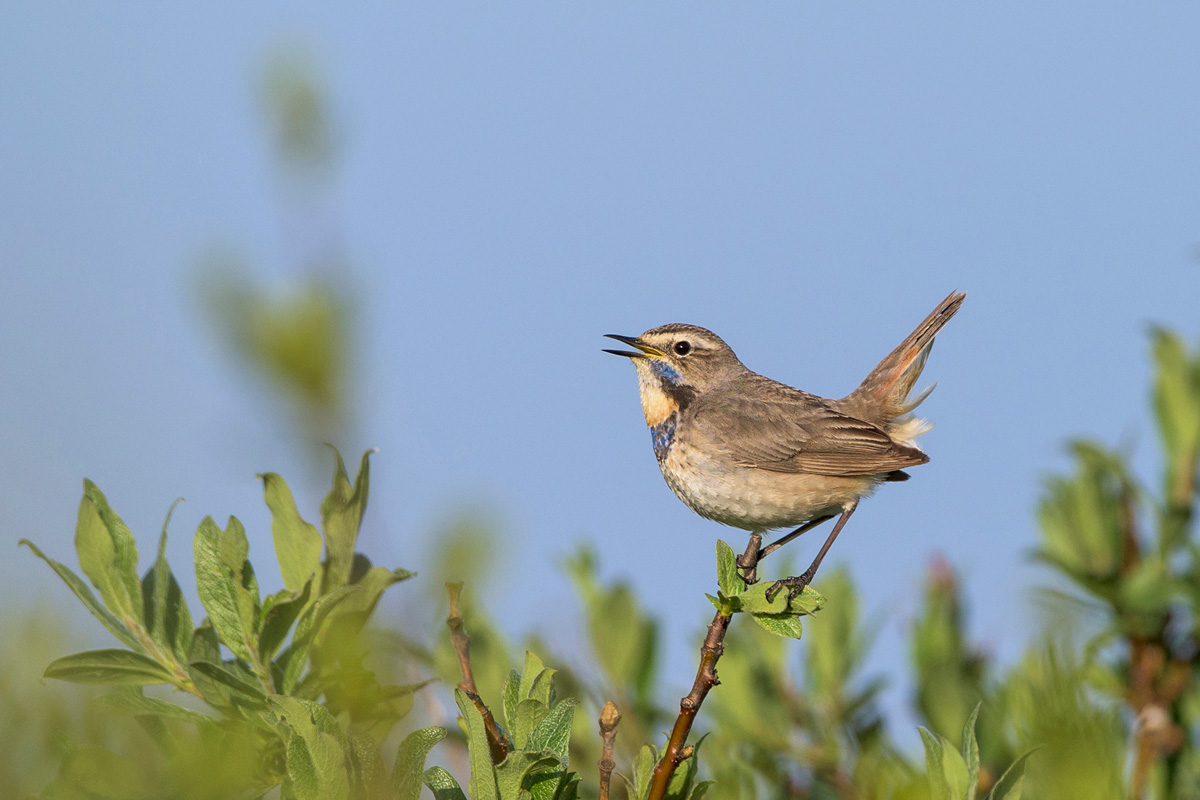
748, 451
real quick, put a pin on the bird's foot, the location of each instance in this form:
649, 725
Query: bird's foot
748, 572
794, 587
747, 562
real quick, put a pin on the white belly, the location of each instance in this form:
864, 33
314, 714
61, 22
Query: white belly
756, 499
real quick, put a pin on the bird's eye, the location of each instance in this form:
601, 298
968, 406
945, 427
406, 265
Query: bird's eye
683, 348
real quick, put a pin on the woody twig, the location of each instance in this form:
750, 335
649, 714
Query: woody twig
677, 750
706, 678
497, 744
609, 718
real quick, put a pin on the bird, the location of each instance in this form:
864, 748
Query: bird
756, 454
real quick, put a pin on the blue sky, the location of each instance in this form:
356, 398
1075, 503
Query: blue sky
806, 179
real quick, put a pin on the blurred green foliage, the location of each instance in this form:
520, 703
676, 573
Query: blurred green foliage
295, 692
278, 692
295, 332
250, 675
296, 105
297, 337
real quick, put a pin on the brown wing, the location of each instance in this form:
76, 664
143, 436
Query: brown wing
785, 430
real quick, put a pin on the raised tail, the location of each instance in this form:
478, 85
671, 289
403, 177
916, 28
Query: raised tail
883, 397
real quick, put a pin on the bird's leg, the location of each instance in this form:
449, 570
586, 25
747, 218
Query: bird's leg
748, 561
796, 585
805, 528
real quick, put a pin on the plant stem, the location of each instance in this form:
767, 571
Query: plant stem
689, 706
706, 678
609, 718
182, 680
462, 646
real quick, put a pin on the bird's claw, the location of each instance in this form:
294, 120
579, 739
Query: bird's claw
794, 587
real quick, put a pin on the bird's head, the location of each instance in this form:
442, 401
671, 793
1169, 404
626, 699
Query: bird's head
675, 362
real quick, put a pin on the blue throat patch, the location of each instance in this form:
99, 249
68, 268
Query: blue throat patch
662, 436
665, 371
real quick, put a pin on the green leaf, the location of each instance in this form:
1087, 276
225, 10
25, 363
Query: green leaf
511, 774
229, 677
754, 600
409, 766
1082, 518
316, 754
1009, 785
81, 590
553, 732
108, 666
680, 785
722, 603
1177, 408
482, 785
166, 614
728, 576
549, 784
205, 645
361, 604
1176, 399
533, 669
297, 542
939, 789
970, 751
279, 611
954, 768
226, 584
214, 692
643, 772
681, 780
368, 773
543, 688
511, 696
443, 785
294, 658
207, 648
569, 788
390, 704
529, 714
1148, 588
341, 516
108, 554
779, 624
701, 789
133, 703
314, 616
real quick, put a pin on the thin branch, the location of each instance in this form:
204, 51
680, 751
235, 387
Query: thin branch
1154, 733
677, 749
462, 646
609, 718
689, 706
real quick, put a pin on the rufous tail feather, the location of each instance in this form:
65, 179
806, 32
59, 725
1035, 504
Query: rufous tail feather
883, 397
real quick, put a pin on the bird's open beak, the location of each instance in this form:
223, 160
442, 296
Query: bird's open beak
633, 341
